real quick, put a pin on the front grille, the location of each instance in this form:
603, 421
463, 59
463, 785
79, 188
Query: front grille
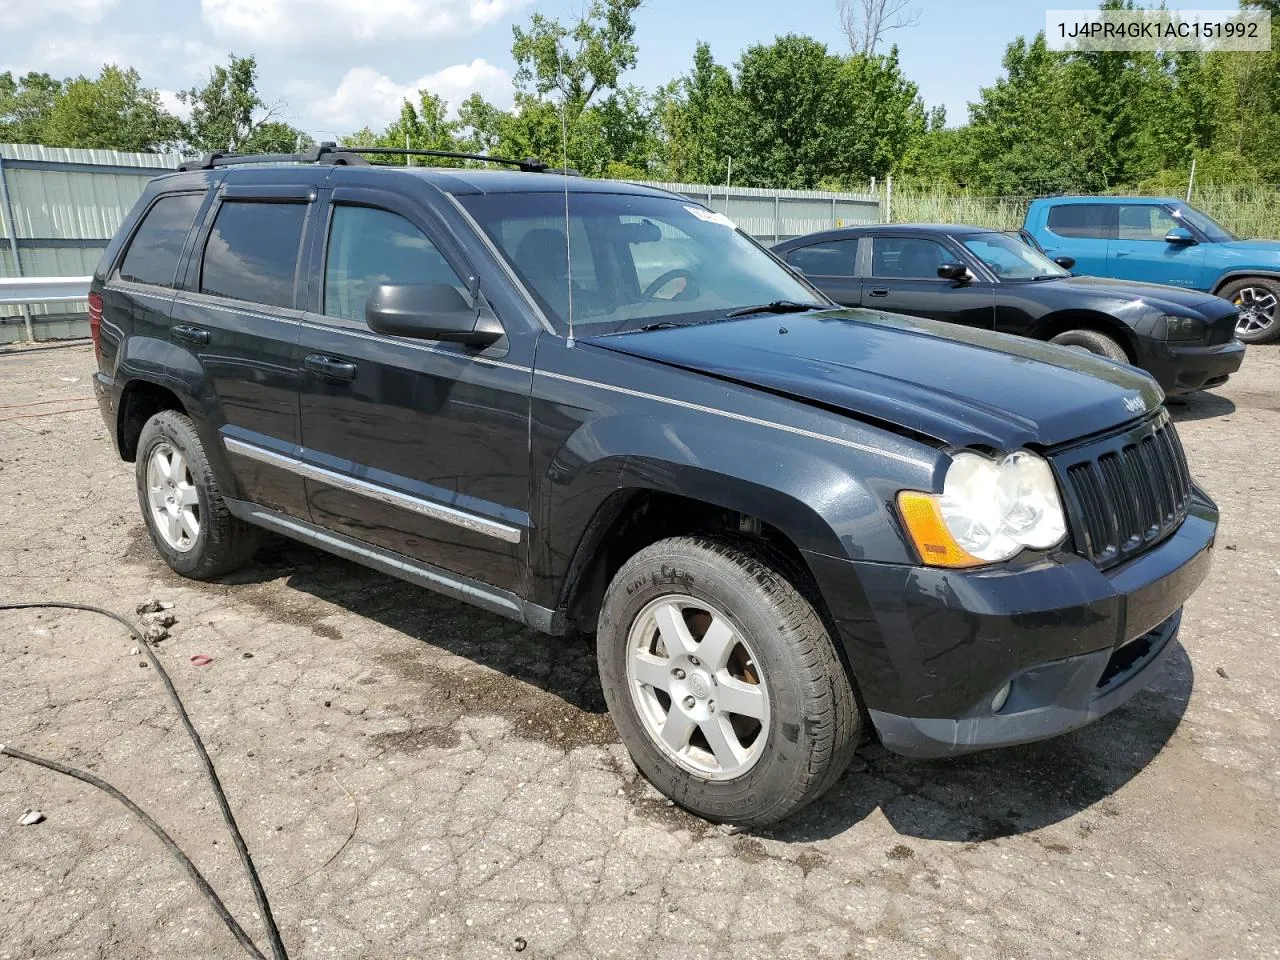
1128, 492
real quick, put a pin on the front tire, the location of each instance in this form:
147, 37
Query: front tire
182, 505
723, 682
1094, 342
1259, 301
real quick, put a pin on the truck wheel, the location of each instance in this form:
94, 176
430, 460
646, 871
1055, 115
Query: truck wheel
1094, 342
723, 682
182, 505
1257, 299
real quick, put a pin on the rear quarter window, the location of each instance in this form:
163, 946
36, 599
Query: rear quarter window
252, 252
157, 244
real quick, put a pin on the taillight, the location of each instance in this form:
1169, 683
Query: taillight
95, 323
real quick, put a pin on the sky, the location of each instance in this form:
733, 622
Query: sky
334, 66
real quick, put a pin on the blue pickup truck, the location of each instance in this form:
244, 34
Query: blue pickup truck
1162, 240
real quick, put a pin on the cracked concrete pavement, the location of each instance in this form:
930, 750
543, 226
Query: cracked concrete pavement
420, 779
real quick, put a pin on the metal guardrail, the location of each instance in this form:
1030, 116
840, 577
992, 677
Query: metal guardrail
20, 291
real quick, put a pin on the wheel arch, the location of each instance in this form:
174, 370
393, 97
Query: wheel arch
140, 400
1064, 320
1231, 276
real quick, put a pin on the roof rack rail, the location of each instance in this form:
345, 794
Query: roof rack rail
330, 153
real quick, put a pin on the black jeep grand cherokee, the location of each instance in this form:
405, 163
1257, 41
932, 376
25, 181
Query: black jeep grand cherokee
782, 519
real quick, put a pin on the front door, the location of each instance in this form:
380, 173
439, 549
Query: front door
1140, 251
416, 446
903, 278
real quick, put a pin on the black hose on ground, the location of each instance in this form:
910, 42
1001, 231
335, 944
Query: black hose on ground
192, 871
259, 893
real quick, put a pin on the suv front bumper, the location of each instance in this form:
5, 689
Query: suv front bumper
932, 650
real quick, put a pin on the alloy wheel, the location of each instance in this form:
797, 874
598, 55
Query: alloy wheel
175, 502
1257, 310
698, 687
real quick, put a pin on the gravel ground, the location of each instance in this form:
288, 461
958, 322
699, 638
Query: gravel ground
419, 779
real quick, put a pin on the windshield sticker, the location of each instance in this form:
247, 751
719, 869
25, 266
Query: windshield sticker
710, 216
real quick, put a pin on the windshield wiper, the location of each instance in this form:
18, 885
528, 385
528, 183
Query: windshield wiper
660, 325
777, 306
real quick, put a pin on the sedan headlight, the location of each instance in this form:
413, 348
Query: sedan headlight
1179, 328
988, 511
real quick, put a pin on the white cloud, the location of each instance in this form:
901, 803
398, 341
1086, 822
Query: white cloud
169, 100
178, 57
295, 23
18, 13
365, 97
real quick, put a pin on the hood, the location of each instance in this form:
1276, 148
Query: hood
1158, 295
1269, 247
959, 385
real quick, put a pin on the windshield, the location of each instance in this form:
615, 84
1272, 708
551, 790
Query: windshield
1011, 259
635, 260
1211, 228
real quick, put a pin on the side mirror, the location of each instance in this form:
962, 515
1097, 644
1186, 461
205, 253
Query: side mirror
1181, 236
1066, 263
953, 271
429, 311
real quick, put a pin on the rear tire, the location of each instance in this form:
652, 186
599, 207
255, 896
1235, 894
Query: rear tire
181, 504
1259, 301
1094, 342
723, 682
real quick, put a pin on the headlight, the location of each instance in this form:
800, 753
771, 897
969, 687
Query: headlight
1179, 328
988, 510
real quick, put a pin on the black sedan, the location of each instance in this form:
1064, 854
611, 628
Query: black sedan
982, 278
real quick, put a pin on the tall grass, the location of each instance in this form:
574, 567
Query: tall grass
1248, 210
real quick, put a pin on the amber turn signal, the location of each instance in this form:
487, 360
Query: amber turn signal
922, 516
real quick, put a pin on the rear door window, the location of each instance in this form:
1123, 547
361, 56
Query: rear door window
252, 252
835, 258
157, 245
368, 246
1088, 220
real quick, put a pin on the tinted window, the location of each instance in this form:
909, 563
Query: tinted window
836, 258
252, 252
908, 258
1144, 221
369, 246
1080, 220
630, 260
156, 247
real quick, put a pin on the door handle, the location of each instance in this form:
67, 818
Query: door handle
1122, 253
330, 368
879, 292
189, 334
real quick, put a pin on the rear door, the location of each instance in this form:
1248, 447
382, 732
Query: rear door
902, 277
1082, 231
416, 446
237, 314
831, 266
1140, 251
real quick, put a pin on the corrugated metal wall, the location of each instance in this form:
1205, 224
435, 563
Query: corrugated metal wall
774, 215
66, 204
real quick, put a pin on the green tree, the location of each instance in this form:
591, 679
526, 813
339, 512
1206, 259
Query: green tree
569, 90
25, 105
113, 112
227, 113
425, 127
695, 121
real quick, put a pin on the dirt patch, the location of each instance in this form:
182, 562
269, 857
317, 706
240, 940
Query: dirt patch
416, 740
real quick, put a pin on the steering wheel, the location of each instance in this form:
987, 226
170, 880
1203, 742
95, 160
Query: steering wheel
687, 292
